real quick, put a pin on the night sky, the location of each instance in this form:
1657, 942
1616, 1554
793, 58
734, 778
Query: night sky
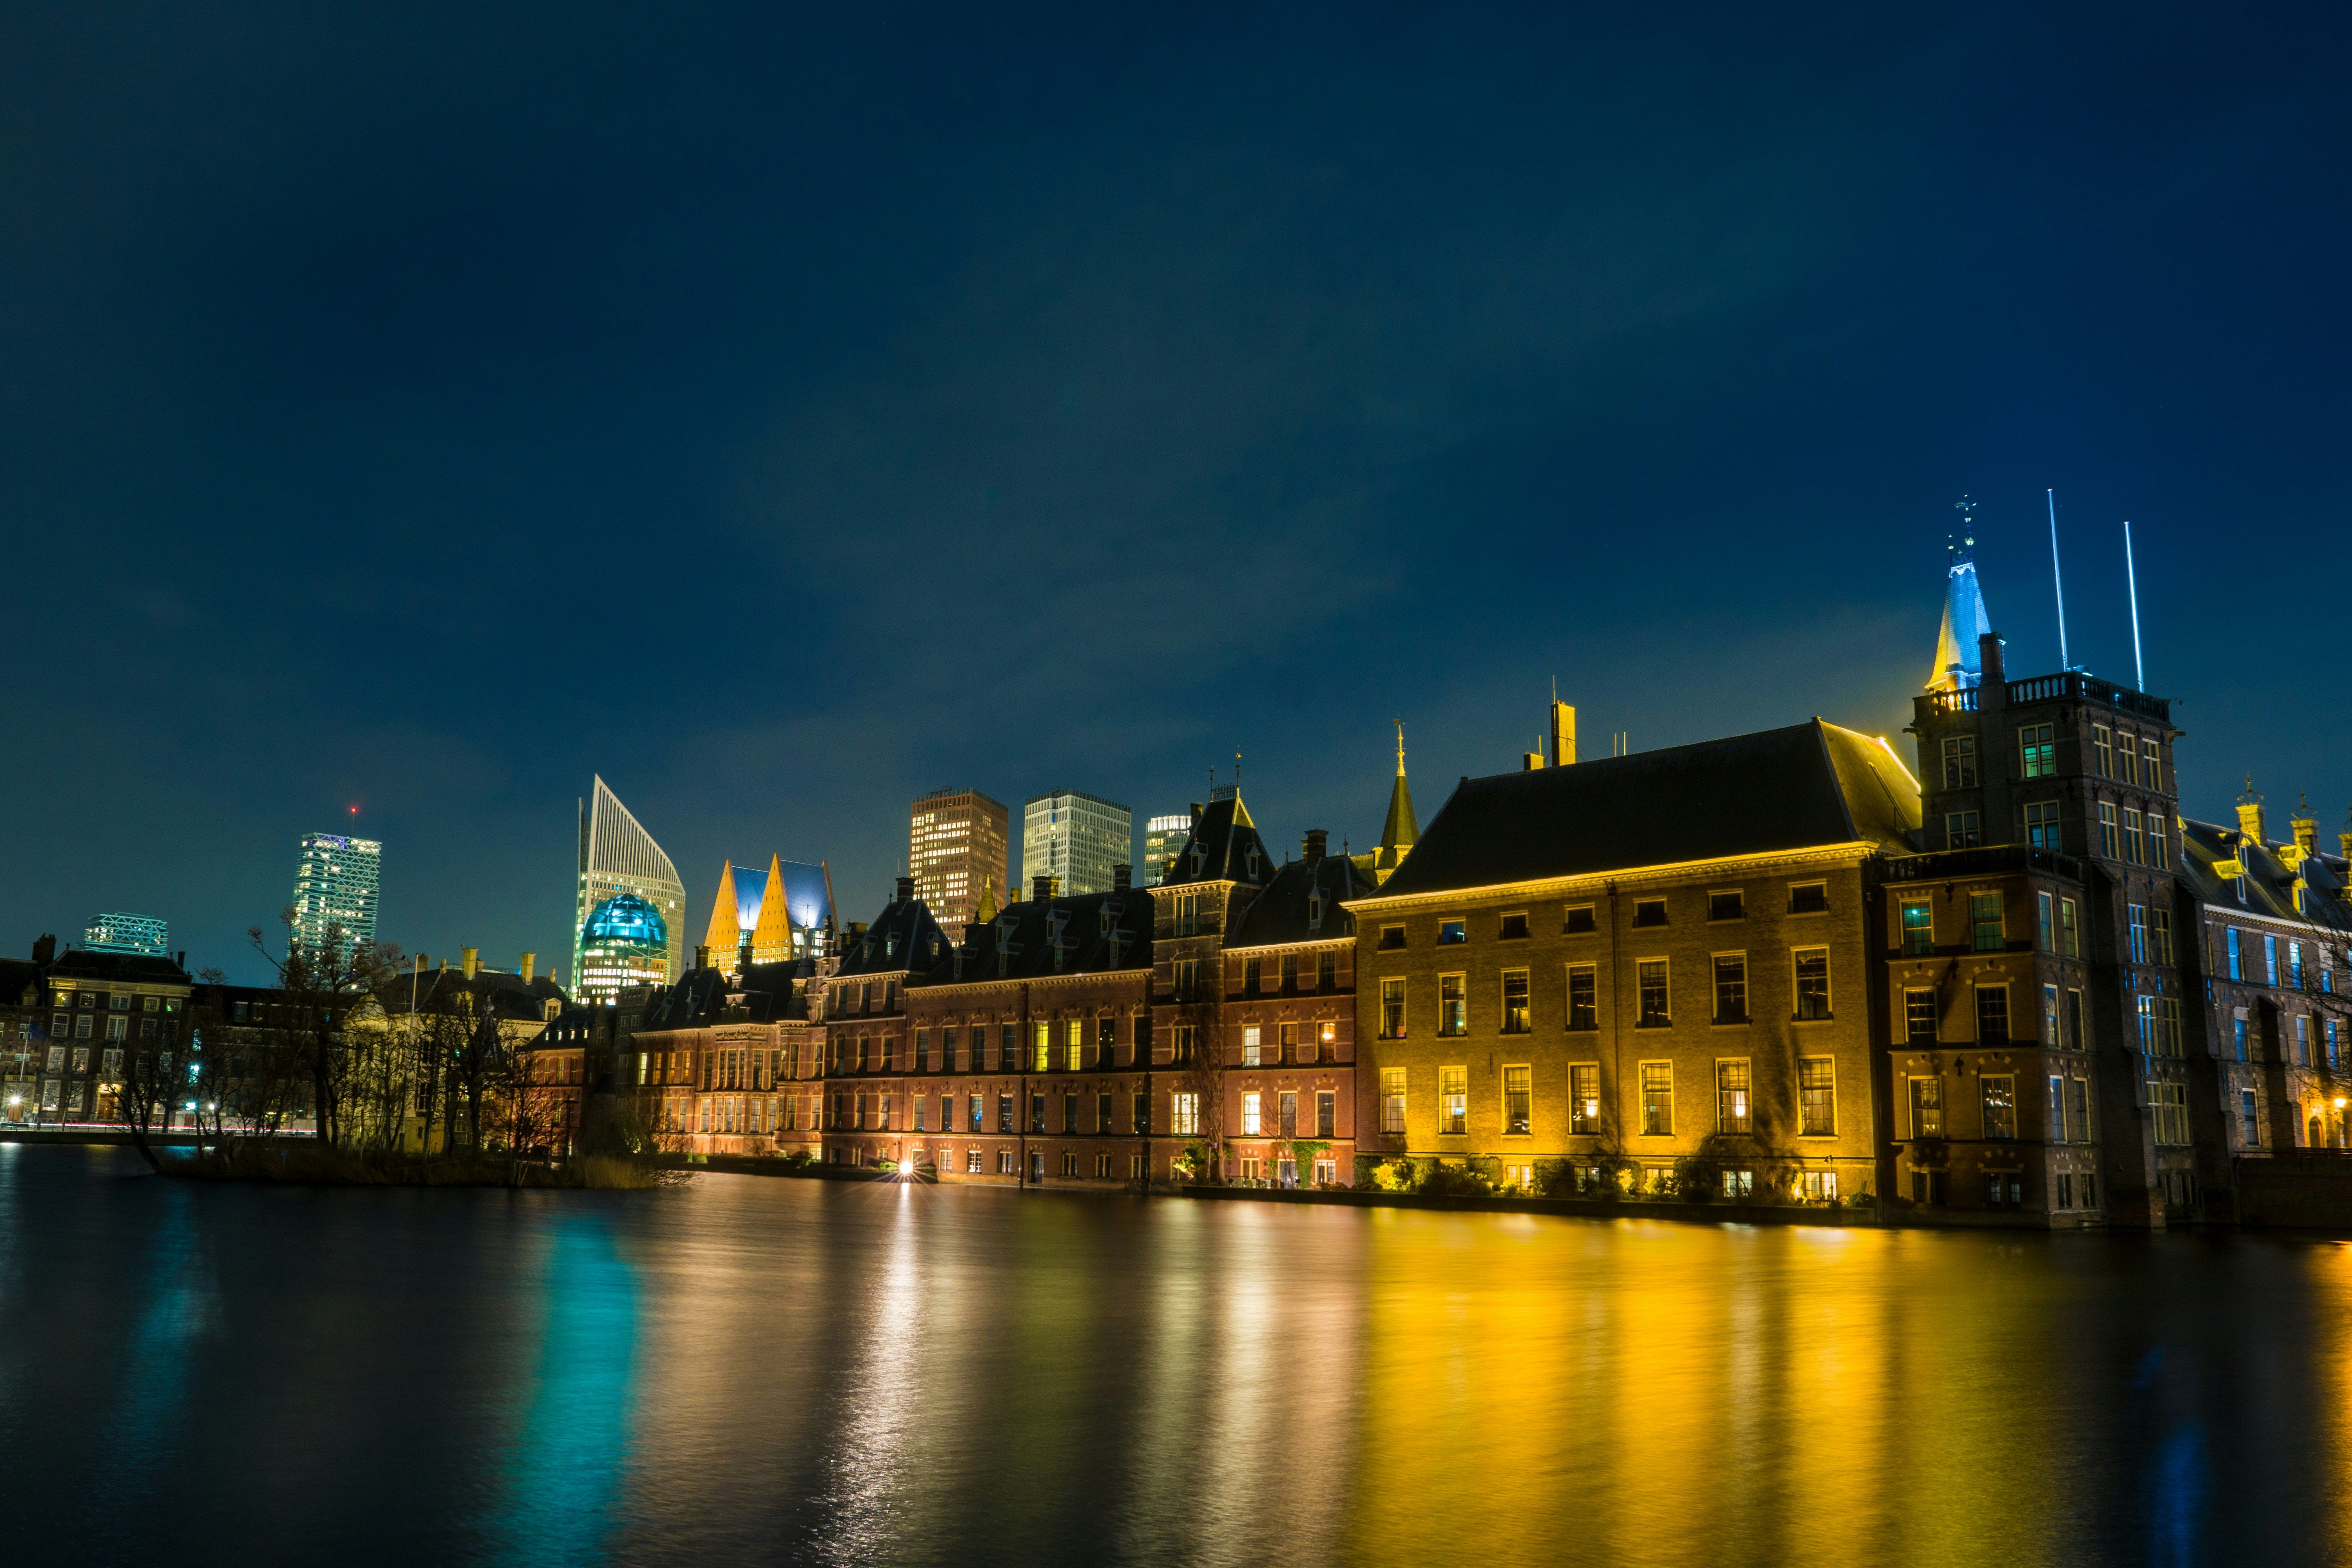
426, 407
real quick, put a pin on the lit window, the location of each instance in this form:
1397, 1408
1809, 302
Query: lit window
1453, 1007
1515, 1002
1926, 1108
1812, 971
2000, 1106
2036, 754
1918, 918
1817, 1097
1517, 1100
1657, 1100
1731, 1107
1454, 1099
1584, 1097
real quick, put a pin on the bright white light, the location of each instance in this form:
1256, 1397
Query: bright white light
907, 1167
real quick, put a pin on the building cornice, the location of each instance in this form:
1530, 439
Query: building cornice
2236, 912
1331, 942
1854, 850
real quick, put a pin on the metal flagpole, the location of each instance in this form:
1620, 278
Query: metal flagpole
2131, 577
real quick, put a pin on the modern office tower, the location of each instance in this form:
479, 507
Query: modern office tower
143, 934
1163, 840
958, 841
335, 885
1077, 838
781, 913
625, 942
617, 855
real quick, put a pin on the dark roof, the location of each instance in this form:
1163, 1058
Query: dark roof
20, 980
123, 968
1807, 784
1288, 910
1088, 933
902, 937
2269, 881
1221, 846
436, 990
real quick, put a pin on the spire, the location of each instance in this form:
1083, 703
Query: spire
1957, 655
1402, 829
986, 911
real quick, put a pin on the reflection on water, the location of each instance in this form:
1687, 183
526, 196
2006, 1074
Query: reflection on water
797, 1371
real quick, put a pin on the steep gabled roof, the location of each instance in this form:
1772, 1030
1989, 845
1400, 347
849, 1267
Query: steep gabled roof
1090, 933
437, 990
1224, 847
903, 937
124, 968
1305, 902
2269, 881
1808, 785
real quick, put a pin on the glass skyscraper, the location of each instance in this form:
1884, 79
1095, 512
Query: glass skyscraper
1076, 836
1163, 840
335, 885
143, 935
623, 943
617, 855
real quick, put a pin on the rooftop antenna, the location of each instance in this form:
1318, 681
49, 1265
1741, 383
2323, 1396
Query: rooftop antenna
2131, 576
2056, 581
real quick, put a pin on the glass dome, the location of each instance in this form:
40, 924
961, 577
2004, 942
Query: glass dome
624, 917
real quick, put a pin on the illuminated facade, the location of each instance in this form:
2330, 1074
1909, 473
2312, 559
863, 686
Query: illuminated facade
618, 856
625, 943
1076, 839
1162, 838
727, 1063
957, 848
780, 914
335, 884
146, 935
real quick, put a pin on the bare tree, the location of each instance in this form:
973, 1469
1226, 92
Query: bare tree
319, 983
146, 1099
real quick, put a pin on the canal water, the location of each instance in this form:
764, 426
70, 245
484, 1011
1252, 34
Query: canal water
750, 1370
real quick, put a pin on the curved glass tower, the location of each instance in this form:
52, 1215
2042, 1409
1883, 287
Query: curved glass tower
625, 942
617, 855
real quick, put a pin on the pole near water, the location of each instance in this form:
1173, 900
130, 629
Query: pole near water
2056, 581
2131, 577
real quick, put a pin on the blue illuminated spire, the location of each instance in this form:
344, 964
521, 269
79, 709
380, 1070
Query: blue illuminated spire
1956, 667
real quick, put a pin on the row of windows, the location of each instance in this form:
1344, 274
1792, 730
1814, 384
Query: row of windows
1285, 976
1809, 970
2067, 1119
2133, 759
2322, 961
1734, 1105
1284, 1123
1576, 919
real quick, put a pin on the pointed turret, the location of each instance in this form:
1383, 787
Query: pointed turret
1402, 829
986, 911
1958, 666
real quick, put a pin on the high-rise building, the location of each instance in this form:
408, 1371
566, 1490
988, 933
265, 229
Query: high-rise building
625, 942
958, 842
145, 935
335, 885
780, 914
1163, 840
1077, 838
618, 856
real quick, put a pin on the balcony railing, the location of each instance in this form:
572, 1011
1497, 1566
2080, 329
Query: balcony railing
2046, 687
1984, 861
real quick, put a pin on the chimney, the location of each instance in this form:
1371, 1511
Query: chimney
742, 960
905, 890
530, 967
2305, 831
1196, 814
1043, 888
1563, 735
473, 961
45, 950
2249, 817
702, 957
1989, 659
1317, 838
1530, 761
1122, 877
181, 959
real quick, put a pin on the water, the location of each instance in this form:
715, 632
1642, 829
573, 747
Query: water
791, 1370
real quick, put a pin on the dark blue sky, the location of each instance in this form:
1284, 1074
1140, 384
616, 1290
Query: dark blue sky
784, 414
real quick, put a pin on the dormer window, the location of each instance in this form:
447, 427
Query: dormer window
1253, 864
1315, 911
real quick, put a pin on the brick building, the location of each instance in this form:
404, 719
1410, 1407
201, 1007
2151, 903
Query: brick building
728, 1062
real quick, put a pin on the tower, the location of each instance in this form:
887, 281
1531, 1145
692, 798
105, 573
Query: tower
1958, 660
335, 885
956, 845
618, 856
1402, 829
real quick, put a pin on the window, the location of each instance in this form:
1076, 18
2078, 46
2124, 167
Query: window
1454, 1099
1451, 931
1327, 1041
2151, 764
1327, 971
1917, 919
2108, 829
1580, 919
1391, 938
2250, 1126
1074, 1045
1041, 1042
1584, 1097
1992, 1015
1184, 1114
1658, 1100
2135, 931
1326, 1112
2334, 1043
1515, 1001
1919, 1013
1731, 988
2162, 938
2078, 1109
1926, 1108
2232, 940
118, 1028
2144, 1023
1731, 1107
1037, 1114
1004, 1114
1289, 968
1249, 1046
1651, 977
1285, 1045
2041, 825
1392, 1009
1252, 1125
1141, 1113
2046, 925
1453, 1005
1961, 830
2302, 1037
1187, 976
1813, 965
918, 1115
2037, 756
2295, 964
1251, 977
1392, 1100
2171, 1103
1584, 1002
1816, 1096
2065, 1190
2050, 1017
2159, 841
1518, 1100
1729, 905
2270, 959
1986, 930
1811, 898
2238, 1033
1649, 911
1960, 762
2134, 848
2069, 939
2103, 750
1514, 927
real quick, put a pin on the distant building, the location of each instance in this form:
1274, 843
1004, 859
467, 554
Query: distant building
623, 943
781, 913
618, 856
335, 885
1076, 839
146, 935
1163, 840
957, 847
98, 1006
